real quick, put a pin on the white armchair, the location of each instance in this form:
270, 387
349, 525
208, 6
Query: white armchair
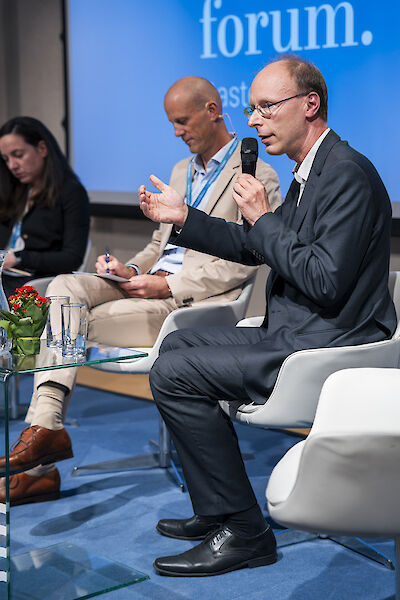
294, 399
344, 478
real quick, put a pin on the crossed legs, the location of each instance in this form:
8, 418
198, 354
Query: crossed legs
196, 369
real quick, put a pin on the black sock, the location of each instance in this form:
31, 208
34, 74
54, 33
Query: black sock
247, 523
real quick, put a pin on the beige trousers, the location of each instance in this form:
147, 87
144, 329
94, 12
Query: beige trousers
114, 319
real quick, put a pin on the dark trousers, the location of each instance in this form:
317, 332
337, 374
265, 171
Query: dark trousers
196, 369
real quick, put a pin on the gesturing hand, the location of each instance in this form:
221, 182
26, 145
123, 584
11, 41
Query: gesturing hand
251, 197
147, 286
166, 207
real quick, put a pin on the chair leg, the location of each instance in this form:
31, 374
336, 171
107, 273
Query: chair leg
161, 458
289, 537
357, 545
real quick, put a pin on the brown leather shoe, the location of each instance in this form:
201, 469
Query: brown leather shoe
37, 446
25, 488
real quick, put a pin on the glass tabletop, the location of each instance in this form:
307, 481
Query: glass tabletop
52, 358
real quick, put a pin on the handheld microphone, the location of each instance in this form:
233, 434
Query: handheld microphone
249, 154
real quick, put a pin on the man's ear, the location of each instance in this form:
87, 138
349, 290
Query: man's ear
213, 111
42, 149
313, 104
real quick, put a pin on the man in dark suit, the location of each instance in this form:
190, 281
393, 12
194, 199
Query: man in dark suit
328, 247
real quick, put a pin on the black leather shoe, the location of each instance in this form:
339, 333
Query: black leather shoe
220, 552
195, 528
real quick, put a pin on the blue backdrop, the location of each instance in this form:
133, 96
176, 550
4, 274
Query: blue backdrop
125, 54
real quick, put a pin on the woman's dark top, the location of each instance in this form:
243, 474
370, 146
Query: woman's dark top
55, 238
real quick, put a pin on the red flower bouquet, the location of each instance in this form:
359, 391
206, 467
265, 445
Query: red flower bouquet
26, 320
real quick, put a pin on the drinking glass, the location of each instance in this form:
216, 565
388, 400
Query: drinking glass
73, 328
53, 330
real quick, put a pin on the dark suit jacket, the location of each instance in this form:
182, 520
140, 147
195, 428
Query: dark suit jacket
329, 258
55, 238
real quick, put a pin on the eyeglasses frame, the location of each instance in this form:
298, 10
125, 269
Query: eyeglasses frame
249, 110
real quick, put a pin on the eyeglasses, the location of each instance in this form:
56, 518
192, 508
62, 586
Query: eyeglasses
265, 110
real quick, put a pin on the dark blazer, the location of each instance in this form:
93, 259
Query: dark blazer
329, 258
55, 238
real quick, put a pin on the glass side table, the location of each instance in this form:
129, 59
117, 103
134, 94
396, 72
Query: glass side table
64, 570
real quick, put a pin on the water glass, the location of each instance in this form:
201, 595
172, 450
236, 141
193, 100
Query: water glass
74, 321
53, 329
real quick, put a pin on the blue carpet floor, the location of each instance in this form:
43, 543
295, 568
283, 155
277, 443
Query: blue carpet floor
113, 515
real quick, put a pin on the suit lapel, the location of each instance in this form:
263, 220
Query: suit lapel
292, 215
230, 170
289, 205
288, 210
301, 210
317, 166
165, 235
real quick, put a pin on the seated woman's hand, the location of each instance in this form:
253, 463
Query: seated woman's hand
10, 261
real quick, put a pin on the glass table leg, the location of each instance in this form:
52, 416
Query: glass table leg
60, 571
5, 507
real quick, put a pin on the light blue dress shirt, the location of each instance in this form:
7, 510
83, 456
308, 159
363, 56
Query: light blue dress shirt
172, 257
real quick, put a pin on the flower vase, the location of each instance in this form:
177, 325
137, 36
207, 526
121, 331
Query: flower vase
25, 322
25, 346
5, 343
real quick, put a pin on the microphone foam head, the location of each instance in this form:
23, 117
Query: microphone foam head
249, 146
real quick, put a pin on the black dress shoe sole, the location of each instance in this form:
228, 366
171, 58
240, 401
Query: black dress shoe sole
181, 537
33, 499
261, 561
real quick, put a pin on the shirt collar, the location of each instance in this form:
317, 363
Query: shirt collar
214, 160
301, 171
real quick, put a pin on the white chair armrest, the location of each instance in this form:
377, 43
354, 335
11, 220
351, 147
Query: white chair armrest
294, 399
202, 315
359, 401
40, 284
251, 322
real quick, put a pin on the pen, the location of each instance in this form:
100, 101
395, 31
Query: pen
107, 257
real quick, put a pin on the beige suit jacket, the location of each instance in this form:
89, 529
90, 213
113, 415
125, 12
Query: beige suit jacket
203, 276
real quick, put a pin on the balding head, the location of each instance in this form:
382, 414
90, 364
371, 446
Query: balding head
194, 107
196, 90
292, 122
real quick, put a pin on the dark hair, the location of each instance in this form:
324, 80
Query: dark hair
13, 193
308, 79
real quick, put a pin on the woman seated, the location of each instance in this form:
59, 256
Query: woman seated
44, 209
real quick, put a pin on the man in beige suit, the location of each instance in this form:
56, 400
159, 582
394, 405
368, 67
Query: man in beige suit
162, 277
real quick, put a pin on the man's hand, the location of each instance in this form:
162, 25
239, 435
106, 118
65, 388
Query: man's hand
166, 207
251, 197
114, 266
10, 261
146, 286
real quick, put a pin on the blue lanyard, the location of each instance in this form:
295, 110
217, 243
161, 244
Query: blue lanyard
208, 183
16, 233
